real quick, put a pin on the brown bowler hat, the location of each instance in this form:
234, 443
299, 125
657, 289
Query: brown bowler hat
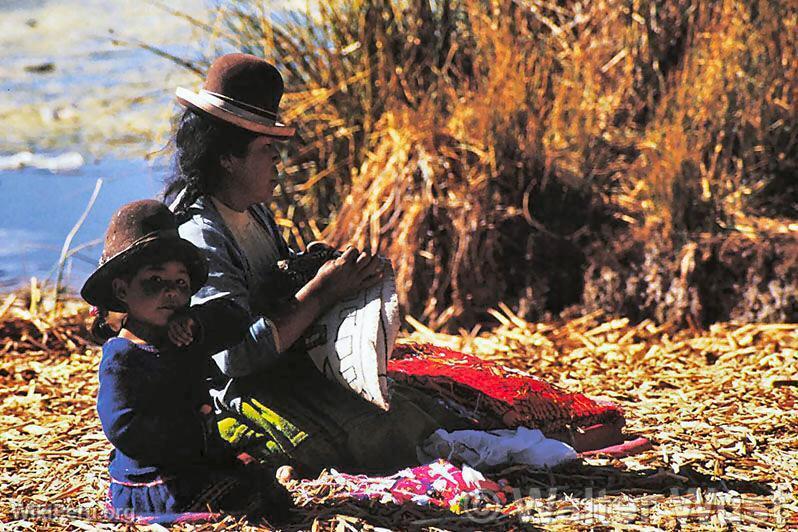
242, 90
141, 231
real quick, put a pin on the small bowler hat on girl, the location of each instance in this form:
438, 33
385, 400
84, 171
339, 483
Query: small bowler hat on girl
242, 90
141, 231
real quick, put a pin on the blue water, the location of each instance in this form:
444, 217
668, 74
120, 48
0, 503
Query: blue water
38, 209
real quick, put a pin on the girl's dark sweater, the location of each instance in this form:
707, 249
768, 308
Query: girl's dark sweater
149, 399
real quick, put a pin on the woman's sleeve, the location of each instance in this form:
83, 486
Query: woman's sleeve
221, 323
140, 417
259, 348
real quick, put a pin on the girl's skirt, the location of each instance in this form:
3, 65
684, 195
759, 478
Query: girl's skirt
199, 495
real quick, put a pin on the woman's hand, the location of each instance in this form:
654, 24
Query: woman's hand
337, 279
346, 275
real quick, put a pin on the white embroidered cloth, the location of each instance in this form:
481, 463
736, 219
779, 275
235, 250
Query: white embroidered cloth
351, 343
489, 448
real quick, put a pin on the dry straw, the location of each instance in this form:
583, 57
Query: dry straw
489, 148
719, 405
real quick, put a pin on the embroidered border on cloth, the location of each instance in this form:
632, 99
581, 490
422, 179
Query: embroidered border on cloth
122, 515
156, 482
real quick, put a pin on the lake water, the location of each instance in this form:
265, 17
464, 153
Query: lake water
66, 87
38, 210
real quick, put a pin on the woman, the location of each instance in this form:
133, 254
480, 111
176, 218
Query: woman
270, 399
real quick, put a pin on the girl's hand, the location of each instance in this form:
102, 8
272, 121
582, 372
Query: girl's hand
346, 275
181, 330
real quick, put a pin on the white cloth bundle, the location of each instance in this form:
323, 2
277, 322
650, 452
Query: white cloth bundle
351, 343
484, 449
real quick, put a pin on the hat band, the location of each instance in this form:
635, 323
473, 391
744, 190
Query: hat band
233, 106
260, 111
222, 109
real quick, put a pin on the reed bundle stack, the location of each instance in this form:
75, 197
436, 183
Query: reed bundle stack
636, 157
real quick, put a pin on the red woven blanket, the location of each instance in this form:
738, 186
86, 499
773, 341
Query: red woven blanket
494, 395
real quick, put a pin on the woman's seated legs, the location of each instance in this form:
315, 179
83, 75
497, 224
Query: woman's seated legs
292, 414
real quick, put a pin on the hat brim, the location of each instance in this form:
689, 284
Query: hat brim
98, 289
232, 114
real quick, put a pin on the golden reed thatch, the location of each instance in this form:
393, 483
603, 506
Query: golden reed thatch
502, 150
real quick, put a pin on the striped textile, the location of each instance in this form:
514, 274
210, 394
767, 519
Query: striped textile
496, 396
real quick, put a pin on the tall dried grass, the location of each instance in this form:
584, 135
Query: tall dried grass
487, 145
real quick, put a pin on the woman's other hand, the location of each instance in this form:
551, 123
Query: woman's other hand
337, 279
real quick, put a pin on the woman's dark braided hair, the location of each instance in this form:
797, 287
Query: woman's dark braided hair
200, 144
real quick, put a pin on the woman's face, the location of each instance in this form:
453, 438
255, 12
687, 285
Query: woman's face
155, 293
253, 174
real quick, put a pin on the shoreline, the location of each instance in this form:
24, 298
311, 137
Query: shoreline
71, 88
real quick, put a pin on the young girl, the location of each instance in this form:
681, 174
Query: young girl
169, 463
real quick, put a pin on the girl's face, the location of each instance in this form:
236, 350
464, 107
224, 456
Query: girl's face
155, 293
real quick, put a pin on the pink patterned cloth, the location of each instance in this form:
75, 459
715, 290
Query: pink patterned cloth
436, 484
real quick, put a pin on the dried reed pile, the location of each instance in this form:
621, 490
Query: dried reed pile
547, 154
719, 403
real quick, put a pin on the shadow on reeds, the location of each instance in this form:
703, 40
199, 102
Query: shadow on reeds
573, 493
360, 515
583, 480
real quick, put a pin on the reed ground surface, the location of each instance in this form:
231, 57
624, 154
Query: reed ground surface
719, 404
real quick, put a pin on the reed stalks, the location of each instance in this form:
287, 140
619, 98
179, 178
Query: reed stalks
486, 146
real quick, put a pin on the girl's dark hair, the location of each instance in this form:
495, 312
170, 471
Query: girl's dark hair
101, 330
200, 144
